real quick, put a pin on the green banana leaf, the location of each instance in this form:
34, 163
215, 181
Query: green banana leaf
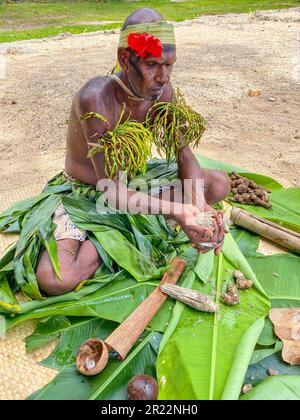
285, 205
278, 275
107, 260
212, 353
259, 355
204, 268
8, 302
15, 214
113, 301
216, 165
35, 219
279, 388
73, 336
24, 268
7, 259
285, 202
111, 383
267, 337
257, 372
28, 245
47, 307
127, 255
46, 234
48, 330
248, 242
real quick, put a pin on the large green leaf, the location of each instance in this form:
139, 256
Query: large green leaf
72, 338
278, 275
37, 309
267, 337
285, 208
35, 219
279, 388
111, 383
114, 302
205, 267
47, 330
247, 241
212, 353
285, 202
216, 165
259, 355
24, 268
46, 234
8, 302
259, 371
126, 255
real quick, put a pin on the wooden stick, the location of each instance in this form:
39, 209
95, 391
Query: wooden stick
191, 297
124, 337
276, 233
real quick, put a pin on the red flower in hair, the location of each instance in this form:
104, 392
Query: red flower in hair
145, 45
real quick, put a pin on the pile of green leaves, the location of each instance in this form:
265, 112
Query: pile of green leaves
214, 355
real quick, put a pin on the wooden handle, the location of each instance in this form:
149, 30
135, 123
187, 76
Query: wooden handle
126, 335
276, 233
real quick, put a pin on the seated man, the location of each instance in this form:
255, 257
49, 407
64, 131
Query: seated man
143, 79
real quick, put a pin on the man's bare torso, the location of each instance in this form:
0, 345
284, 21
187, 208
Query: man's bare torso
105, 96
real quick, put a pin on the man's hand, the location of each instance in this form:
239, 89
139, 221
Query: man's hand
198, 234
219, 227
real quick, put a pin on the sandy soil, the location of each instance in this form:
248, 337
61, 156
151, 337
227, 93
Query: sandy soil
220, 58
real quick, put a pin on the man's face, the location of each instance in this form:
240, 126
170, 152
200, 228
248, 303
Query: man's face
149, 76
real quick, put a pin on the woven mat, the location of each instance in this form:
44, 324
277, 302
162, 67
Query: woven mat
20, 373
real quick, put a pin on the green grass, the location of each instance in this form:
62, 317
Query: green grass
27, 20
45, 32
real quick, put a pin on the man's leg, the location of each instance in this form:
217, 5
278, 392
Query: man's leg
78, 262
216, 185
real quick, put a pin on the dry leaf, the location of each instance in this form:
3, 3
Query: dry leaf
254, 92
287, 328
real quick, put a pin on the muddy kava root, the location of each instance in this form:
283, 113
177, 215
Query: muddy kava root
175, 125
126, 147
246, 191
232, 296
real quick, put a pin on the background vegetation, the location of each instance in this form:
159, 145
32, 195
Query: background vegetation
21, 20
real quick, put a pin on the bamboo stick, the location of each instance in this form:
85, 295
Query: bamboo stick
276, 233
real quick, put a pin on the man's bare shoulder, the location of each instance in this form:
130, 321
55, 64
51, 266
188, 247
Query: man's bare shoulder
95, 96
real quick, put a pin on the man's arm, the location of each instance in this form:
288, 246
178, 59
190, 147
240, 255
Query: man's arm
191, 175
189, 169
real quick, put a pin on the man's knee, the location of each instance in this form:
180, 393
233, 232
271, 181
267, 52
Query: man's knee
50, 284
218, 188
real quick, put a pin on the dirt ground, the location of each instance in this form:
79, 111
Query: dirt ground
220, 58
